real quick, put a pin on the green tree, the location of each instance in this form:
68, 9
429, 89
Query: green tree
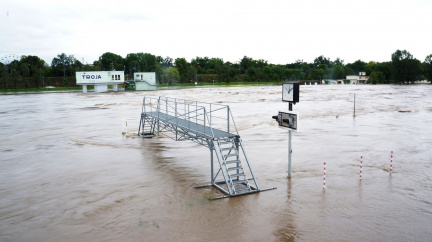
246, 63
338, 71
349, 71
14, 77
3, 75
319, 73
405, 67
63, 62
111, 62
37, 76
357, 66
428, 67
376, 77
170, 75
322, 60
386, 69
183, 67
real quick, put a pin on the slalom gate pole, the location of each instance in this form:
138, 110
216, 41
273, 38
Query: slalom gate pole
324, 178
391, 162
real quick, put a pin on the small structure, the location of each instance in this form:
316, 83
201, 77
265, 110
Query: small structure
99, 79
361, 78
145, 81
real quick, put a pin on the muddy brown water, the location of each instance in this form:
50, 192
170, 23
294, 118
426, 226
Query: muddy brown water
69, 174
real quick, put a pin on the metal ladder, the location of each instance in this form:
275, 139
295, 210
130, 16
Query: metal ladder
151, 126
227, 152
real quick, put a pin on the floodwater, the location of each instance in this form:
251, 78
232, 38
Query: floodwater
67, 173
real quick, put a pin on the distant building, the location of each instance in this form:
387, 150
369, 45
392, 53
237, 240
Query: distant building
335, 82
361, 78
145, 81
99, 79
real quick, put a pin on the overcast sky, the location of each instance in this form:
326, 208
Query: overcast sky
279, 31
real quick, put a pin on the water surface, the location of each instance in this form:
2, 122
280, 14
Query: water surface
68, 173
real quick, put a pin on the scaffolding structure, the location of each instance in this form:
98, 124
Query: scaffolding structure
211, 125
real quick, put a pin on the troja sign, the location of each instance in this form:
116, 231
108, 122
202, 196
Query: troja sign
99, 77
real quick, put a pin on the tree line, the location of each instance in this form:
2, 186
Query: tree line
401, 68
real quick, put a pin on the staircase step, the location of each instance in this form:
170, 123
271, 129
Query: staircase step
232, 161
235, 168
225, 143
239, 181
237, 174
238, 189
230, 155
229, 148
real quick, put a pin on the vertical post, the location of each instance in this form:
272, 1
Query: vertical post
354, 107
289, 144
228, 118
361, 166
211, 165
188, 116
391, 163
324, 179
289, 152
204, 120
158, 112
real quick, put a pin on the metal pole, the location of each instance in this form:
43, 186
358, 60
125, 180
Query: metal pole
211, 178
354, 106
228, 123
289, 152
289, 144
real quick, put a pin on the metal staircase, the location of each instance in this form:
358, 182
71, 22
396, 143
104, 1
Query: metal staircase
227, 152
207, 124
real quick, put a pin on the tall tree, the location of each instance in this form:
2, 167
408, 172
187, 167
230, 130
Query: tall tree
357, 66
183, 67
322, 60
170, 75
428, 67
405, 67
63, 62
3, 75
111, 62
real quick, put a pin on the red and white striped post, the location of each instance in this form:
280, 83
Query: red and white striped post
391, 162
361, 166
324, 179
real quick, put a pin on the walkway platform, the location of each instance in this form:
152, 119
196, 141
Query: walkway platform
208, 124
204, 130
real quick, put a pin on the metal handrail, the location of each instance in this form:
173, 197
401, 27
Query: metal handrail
203, 113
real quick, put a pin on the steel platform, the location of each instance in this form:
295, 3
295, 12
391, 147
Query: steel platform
208, 124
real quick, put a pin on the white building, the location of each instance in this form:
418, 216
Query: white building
99, 79
361, 78
145, 81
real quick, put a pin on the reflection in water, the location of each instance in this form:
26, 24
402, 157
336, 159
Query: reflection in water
68, 173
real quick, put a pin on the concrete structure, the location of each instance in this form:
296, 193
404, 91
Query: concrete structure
99, 79
360, 79
145, 81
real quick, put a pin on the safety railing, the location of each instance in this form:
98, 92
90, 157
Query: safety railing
210, 115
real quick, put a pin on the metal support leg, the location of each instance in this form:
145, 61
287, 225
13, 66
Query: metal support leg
211, 164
